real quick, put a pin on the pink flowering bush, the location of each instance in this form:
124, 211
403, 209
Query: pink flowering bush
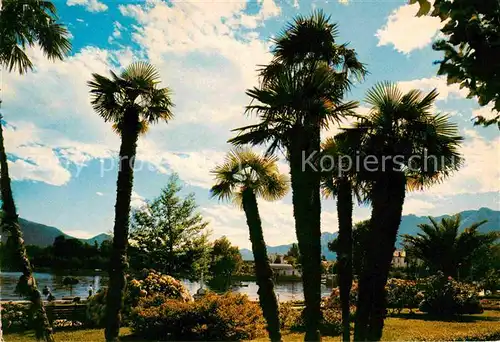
403, 294
228, 317
152, 285
445, 296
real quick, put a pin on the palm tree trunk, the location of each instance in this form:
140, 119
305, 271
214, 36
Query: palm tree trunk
387, 207
10, 223
344, 257
118, 262
307, 212
267, 297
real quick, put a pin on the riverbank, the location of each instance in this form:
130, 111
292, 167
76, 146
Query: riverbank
405, 327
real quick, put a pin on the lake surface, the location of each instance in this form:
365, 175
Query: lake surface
284, 290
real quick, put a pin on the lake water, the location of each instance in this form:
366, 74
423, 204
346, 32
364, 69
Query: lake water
284, 290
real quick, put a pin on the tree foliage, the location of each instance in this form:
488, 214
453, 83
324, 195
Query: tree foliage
471, 47
225, 261
441, 247
169, 234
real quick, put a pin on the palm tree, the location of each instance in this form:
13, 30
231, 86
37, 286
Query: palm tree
340, 182
301, 92
413, 148
442, 248
131, 101
244, 176
22, 24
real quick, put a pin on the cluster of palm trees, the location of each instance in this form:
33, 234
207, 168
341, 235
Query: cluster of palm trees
301, 93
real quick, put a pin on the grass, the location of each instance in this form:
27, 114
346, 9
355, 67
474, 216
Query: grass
81, 335
405, 327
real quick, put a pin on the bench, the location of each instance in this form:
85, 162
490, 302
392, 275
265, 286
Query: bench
66, 314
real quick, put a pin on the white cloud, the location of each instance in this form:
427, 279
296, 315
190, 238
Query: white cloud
407, 32
98, 193
137, 201
417, 206
90, 5
487, 112
481, 172
79, 234
439, 82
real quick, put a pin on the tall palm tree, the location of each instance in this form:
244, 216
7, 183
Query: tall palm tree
301, 92
23, 24
442, 248
339, 180
413, 148
293, 107
244, 176
131, 101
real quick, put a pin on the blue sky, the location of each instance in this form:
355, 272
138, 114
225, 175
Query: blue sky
63, 156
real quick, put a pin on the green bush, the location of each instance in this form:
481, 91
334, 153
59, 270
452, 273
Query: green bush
15, 317
444, 296
152, 285
331, 322
289, 315
213, 317
403, 294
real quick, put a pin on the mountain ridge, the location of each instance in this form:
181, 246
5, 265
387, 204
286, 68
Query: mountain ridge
409, 225
44, 235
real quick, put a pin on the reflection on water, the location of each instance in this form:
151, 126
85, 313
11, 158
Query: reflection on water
284, 290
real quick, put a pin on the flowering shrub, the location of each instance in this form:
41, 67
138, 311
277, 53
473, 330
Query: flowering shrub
445, 296
331, 322
154, 284
96, 309
289, 315
403, 294
334, 300
212, 318
15, 317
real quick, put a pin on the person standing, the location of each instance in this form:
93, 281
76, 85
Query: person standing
91, 290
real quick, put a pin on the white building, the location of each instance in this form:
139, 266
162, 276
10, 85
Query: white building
398, 258
285, 270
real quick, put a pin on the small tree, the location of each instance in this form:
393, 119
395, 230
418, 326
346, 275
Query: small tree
225, 260
70, 281
170, 236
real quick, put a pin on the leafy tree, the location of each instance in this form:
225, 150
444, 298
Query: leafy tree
301, 93
405, 146
22, 24
169, 235
131, 101
441, 247
225, 260
471, 48
244, 176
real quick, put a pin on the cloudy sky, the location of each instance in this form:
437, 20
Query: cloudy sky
63, 156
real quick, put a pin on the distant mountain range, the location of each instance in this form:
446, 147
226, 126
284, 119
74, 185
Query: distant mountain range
41, 235
409, 225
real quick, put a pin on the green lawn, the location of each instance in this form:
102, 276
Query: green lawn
404, 328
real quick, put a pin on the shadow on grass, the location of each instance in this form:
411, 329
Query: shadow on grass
451, 318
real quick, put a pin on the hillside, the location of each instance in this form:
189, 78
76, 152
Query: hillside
41, 235
409, 225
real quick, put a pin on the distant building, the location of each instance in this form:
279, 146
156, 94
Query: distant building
281, 267
285, 270
398, 258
